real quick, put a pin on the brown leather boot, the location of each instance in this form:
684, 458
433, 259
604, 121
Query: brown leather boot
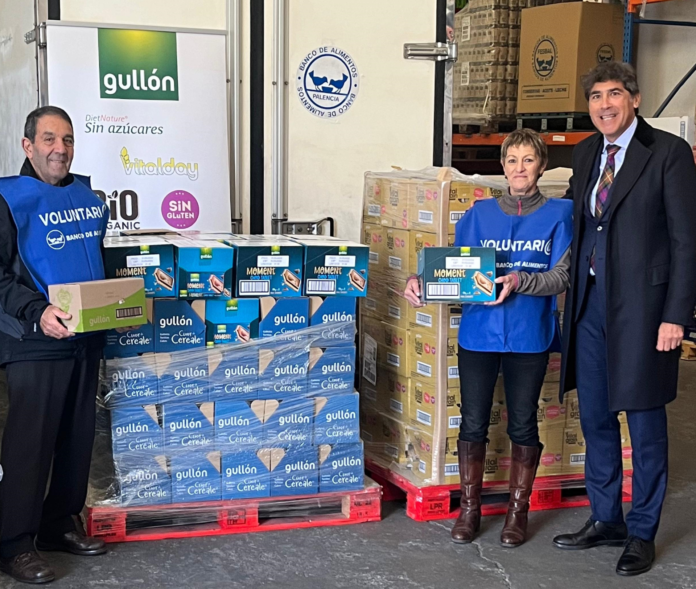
525, 460
471, 457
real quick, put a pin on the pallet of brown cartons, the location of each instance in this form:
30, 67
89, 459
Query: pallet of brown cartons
242, 516
442, 501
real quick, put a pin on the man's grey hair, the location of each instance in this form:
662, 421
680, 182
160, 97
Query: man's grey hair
34, 116
611, 71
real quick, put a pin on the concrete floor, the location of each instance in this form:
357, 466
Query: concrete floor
399, 553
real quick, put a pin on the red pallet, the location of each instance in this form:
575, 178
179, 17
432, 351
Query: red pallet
215, 518
439, 502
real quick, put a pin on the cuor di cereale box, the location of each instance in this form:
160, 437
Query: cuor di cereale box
457, 274
100, 304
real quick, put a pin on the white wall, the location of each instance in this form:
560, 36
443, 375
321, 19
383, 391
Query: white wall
665, 54
202, 14
18, 93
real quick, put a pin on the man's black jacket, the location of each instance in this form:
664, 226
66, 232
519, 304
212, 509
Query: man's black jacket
20, 300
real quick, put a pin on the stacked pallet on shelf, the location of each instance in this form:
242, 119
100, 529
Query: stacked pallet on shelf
487, 33
409, 385
241, 385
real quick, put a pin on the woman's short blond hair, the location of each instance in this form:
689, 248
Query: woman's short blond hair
526, 137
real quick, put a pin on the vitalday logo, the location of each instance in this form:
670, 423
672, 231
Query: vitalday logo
157, 168
138, 65
327, 82
545, 58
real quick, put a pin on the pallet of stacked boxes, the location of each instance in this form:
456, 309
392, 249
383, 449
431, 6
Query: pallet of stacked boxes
409, 378
241, 383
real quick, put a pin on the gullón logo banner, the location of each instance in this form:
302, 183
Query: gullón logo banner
138, 65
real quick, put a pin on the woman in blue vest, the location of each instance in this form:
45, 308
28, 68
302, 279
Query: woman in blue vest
532, 236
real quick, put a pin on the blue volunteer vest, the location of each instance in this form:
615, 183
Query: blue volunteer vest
59, 229
530, 243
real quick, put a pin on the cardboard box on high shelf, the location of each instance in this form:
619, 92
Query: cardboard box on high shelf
457, 274
573, 451
551, 461
373, 211
560, 43
396, 209
374, 236
99, 305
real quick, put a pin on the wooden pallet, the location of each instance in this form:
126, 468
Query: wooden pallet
562, 121
442, 502
215, 518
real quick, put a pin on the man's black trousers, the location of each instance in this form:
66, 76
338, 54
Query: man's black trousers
50, 421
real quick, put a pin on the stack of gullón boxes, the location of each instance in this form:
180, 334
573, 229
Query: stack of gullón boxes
409, 377
241, 384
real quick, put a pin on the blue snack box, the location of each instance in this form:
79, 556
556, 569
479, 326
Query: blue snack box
149, 257
233, 321
267, 266
239, 423
188, 426
331, 370
204, 268
122, 343
144, 479
233, 373
246, 473
337, 419
335, 267
457, 274
289, 422
196, 477
183, 376
283, 317
332, 312
282, 371
132, 381
136, 429
342, 467
179, 325
294, 471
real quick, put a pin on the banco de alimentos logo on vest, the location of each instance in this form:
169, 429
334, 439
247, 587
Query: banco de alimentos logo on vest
138, 65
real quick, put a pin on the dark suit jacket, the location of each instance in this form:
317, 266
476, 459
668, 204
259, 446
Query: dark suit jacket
649, 265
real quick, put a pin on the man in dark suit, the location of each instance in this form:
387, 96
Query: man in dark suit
633, 289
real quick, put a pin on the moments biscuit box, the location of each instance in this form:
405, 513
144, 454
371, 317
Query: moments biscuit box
204, 269
126, 343
246, 473
100, 304
148, 257
336, 316
335, 267
179, 325
457, 274
137, 429
240, 423
267, 266
230, 322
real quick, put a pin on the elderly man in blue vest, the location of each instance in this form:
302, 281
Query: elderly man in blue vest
52, 375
